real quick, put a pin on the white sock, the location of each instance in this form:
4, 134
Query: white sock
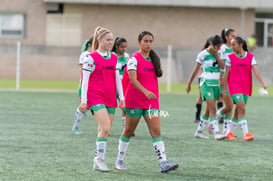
233, 125
159, 148
219, 114
77, 117
243, 125
214, 125
202, 123
122, 149
100, 149
226, 124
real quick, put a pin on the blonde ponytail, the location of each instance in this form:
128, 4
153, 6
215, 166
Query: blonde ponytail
99, 32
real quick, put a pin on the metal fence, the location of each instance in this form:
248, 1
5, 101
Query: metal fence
62, 63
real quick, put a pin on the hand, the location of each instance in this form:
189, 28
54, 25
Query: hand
150, 95
213, 50
224, 91
265, 86
83, 107
188, 88
121, 104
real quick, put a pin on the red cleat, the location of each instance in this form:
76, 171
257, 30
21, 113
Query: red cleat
248, 137
231, 136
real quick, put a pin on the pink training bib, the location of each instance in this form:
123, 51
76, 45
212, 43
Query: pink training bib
148, 79
102, 81
240, 76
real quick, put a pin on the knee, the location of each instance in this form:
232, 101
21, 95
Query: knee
155, 132
199, 100
104, 130
128, 132
212, 109
228, 109
241, 110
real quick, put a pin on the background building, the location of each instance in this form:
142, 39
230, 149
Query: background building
52, 31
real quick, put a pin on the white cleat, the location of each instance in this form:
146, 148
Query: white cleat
120, 165
166, 166
99, 165
76, 130
200, 134
219, 136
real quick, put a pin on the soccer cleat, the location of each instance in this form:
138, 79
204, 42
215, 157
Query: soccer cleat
120, 165
76, 130
219, 136
248, 137
166, 166
99, 165
196, 121
230, 136
200, 134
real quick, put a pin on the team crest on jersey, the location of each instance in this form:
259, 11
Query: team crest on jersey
132, 111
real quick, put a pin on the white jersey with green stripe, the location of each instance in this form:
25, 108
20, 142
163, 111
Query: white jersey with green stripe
225, 51
82, 57
209, 67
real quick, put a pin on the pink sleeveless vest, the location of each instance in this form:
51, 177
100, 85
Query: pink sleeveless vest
102, 82
148, 79
240, 76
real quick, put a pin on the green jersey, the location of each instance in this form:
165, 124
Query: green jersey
209, 67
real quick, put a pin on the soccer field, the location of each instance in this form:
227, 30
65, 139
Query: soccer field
37, 142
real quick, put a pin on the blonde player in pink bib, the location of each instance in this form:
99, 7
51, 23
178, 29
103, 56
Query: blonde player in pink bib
100, 80
238, 77
141, 98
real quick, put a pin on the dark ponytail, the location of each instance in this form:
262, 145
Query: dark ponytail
240, 41
226, 32
207, 44
117, 43
154, 57
87, 44
156, 62
213, 40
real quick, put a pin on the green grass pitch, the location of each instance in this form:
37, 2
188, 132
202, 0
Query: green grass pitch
68, 85
37, 143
